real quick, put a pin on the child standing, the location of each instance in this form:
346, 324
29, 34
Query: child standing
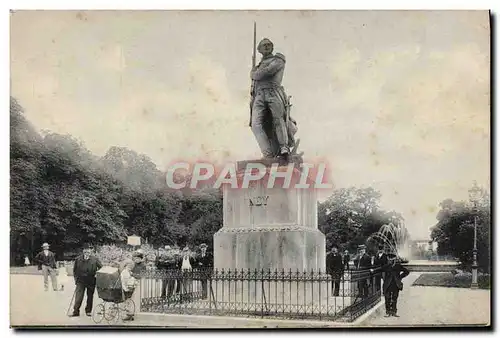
63, 275
128, 284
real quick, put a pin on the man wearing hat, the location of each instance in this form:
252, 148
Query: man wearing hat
166, 262
84, 271
379, 261
363, 262
335, 268
394, 273
47, 263
204, 263
346, 258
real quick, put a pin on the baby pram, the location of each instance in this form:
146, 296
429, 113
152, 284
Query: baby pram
116, 303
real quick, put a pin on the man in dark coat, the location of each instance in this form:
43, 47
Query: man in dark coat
394, 273
346, 258
335, 268
167, 263
379, 261
380, 258
363, 264
84, 272
46, 261
204, 264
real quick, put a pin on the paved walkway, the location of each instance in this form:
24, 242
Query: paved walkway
424, 306
30, 305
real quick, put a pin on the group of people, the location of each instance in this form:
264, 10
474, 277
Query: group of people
176, 283
87, 264
381, 266
85, 269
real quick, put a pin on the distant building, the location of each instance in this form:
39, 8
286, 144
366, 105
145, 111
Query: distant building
424, 244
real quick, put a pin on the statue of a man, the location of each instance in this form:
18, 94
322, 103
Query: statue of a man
270, 107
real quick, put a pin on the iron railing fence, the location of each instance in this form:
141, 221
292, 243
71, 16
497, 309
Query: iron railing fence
261, 293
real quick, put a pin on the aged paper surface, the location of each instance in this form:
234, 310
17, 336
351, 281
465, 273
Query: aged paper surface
123, 121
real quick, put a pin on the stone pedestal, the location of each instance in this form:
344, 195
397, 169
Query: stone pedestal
269, 228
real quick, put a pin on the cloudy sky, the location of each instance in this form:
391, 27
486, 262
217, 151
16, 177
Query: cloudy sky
395, 100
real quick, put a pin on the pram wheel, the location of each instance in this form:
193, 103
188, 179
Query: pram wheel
98, 313
112, 312
129, 307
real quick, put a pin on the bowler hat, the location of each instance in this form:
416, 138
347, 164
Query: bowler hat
88, 247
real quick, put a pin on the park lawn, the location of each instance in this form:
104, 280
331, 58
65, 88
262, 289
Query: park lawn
450, 281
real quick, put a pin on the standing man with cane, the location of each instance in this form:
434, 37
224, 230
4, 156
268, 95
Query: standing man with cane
84, 272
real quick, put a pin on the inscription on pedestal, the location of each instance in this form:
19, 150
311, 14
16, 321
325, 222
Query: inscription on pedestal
258, 201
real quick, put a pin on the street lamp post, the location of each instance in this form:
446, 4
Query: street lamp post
474, 257
474, 194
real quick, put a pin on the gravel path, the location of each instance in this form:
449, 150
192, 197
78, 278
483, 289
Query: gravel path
424, 305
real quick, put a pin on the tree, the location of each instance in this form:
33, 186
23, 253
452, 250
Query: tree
26, 185
454, 231
203, 212
350, 215
57, 193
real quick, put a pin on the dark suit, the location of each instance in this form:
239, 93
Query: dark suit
392, 285
335, 268
346, 258
379, 262
204, 264
84, 271
363, 263
168, 282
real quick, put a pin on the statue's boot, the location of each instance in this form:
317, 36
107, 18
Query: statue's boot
284, 154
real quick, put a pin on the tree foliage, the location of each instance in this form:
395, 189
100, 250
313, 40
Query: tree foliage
63, 194
454, 231
350, 215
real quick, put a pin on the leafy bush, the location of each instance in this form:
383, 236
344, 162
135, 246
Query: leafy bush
112, 255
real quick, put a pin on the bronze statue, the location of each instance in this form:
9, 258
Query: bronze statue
270, 118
